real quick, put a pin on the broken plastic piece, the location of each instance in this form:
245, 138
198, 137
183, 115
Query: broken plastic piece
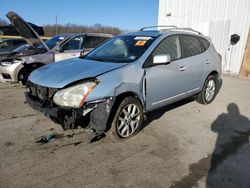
47, 138
100, 115
94, 136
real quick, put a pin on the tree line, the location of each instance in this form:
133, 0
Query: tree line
52, 30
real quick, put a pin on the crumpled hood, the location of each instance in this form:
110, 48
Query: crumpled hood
60, 74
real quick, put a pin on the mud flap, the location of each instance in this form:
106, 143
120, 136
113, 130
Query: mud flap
99, 119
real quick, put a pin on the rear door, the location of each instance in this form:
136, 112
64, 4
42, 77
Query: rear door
70, 49
193, 61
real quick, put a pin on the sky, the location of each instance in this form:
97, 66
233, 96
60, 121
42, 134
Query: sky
125, 14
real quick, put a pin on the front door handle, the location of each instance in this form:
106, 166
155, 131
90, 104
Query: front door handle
182, 68
73, 54
208, 61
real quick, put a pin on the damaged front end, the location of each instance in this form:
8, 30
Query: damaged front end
91, 114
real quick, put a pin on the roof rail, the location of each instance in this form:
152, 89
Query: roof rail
171, 28
184, 29
157, 26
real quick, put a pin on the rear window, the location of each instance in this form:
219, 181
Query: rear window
205, 43
191, 45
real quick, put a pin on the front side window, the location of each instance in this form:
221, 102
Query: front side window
191, 45
121, 49
94, 41
171, 46
73, 44
51, 43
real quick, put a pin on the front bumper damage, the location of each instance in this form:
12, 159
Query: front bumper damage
94, 115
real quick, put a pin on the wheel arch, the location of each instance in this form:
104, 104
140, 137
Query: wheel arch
121, 96
28, 67
118, 99
214, 72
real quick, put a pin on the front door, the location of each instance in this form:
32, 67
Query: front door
70, 49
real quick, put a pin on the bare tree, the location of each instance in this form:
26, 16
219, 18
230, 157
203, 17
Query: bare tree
74, 28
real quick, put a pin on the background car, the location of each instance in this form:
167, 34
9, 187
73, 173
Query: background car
65, 46
8, 45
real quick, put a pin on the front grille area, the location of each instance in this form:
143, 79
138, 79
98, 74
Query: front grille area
6, 76
41, 92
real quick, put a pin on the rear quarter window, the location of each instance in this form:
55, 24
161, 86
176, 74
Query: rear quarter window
191, 45
205, 43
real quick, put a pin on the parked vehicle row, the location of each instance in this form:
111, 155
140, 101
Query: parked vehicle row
112, 87
15, 67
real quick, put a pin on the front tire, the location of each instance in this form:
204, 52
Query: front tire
128, 119
22, 76
209, 90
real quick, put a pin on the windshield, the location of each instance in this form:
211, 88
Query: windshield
21, 48
121, 49
51, 43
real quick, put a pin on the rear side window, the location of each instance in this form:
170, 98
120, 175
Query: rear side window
94, 41
205, 43
191, 45
171, 46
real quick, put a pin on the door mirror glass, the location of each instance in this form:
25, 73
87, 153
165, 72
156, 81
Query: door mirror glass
161, 59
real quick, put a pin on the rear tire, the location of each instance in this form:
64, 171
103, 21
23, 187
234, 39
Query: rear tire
128, 119
209, 90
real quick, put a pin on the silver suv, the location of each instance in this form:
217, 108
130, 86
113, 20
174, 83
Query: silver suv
17, 66
113, 86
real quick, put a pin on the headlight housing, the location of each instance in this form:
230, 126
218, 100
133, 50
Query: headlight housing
74, 96
7, 63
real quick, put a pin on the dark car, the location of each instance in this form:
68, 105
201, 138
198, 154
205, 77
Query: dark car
10, 44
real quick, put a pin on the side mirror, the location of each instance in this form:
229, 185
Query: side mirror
161, 59
84, 52
59, 48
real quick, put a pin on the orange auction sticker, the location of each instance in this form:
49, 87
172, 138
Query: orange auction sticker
140, 43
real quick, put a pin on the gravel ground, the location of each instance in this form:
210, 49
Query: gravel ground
182, 145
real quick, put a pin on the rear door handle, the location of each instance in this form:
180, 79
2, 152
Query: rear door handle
182, 68
208, 61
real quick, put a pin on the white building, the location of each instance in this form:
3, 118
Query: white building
218, 19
